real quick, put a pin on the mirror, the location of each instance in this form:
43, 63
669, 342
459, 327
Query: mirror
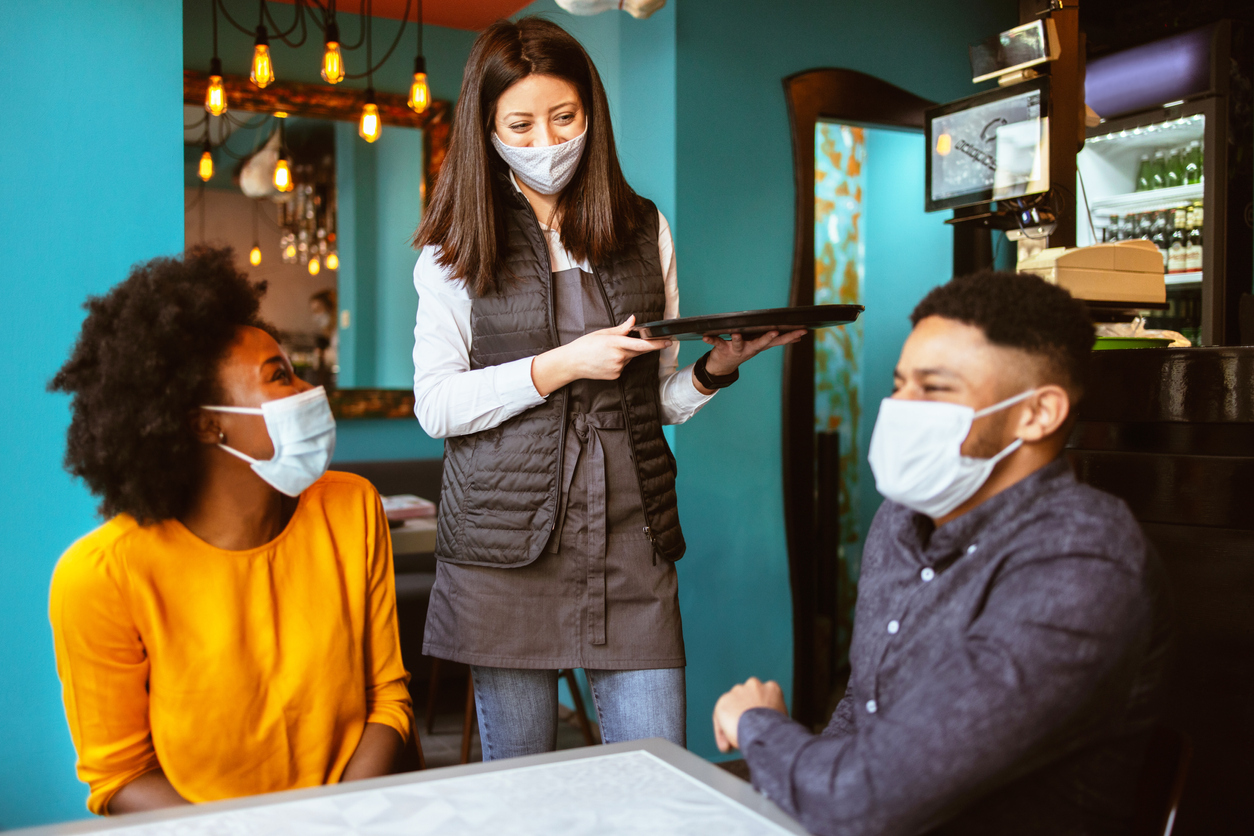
334, 249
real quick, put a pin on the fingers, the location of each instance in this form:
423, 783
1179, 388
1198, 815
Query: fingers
624, 328
638, 346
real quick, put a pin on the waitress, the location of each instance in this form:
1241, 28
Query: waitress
558, 526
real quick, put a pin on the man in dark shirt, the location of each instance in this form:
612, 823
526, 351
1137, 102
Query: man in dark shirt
1010, 628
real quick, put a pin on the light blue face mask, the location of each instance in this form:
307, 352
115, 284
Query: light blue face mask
302, 429
547, 169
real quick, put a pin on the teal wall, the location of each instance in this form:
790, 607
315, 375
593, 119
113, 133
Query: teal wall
908, 252
91, 169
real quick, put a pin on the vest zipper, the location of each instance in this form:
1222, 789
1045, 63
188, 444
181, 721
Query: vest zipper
557, 341
631, 439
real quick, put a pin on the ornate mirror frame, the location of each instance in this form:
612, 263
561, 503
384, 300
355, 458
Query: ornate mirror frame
850, 97
343, 105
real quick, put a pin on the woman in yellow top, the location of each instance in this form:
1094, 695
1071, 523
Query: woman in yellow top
231, 629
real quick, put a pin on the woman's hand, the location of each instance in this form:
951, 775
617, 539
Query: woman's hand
598, 355
727, 355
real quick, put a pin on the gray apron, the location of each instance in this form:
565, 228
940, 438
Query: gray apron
596, 598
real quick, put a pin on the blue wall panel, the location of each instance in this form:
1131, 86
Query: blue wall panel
91, 170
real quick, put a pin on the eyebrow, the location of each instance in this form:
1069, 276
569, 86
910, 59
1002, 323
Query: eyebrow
278, 358
528, 113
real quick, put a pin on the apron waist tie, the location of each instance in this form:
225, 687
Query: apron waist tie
587, 426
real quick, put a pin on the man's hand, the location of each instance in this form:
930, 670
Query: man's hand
753, 694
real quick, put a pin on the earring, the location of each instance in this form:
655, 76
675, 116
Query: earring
221, 437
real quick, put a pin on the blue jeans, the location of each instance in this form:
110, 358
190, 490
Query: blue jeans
518, 708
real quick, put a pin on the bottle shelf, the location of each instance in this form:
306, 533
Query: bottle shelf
1152, 201
1175, 279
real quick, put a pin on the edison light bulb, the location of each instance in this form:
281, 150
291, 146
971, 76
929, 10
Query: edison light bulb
314, 266
206, 165
332, 58
282, 175
370, 127
419, 91
290, 252
215, 96
333, 261
263, 69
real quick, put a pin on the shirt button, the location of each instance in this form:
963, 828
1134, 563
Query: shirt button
894, 626
971, 549
927, 574
871, 707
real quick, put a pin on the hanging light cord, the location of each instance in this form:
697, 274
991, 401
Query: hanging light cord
372, 69
298, 20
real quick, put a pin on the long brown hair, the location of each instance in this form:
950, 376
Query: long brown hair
599, 212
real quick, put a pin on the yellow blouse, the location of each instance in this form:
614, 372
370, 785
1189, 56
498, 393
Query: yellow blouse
236, 672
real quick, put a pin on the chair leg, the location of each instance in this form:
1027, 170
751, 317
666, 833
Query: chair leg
432, 690
469, 720
415, 746
581, 713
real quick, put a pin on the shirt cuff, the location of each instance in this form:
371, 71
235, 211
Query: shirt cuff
770, 742
688, 397
514, 386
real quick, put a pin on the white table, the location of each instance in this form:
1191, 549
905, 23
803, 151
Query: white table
414, 537
644, 788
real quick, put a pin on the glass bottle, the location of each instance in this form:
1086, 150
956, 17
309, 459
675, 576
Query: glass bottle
1193, 163
1193, 247
1176, 253
1158, 234
1143, 174
1158, 171
1111, 232
1175, 168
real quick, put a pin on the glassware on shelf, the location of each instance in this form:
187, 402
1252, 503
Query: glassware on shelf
1176, 251
1175, 168
1193, 245
1143, 174
1193, 163
1158, 170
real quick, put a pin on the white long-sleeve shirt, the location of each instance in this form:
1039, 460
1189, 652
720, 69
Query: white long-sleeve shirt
451, 399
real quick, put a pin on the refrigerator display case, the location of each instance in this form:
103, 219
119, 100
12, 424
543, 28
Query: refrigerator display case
1161, 165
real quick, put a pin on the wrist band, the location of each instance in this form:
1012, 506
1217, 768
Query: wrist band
712, 381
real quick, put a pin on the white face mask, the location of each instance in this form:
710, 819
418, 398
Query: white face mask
302, 430
916, 453
547, 169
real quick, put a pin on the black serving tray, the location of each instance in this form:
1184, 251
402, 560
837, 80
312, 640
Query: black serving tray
750, 323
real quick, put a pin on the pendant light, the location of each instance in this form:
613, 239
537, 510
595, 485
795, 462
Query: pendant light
314, 266
332, 57
333, 261
263, 69
254, 255
369, 127
206, 163
282, 169
419, 91
215, 96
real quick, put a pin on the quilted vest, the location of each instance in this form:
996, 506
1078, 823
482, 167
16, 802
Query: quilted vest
499, 497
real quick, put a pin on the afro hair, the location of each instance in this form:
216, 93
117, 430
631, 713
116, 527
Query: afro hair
1019, 310
146, 358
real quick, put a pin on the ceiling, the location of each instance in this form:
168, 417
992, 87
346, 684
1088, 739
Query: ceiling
472, 15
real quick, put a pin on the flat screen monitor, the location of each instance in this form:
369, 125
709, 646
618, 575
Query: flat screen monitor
992, 146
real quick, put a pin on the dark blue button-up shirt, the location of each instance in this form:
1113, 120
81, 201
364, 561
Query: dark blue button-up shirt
1003, 668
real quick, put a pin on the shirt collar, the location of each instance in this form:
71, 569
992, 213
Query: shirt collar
957, 534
